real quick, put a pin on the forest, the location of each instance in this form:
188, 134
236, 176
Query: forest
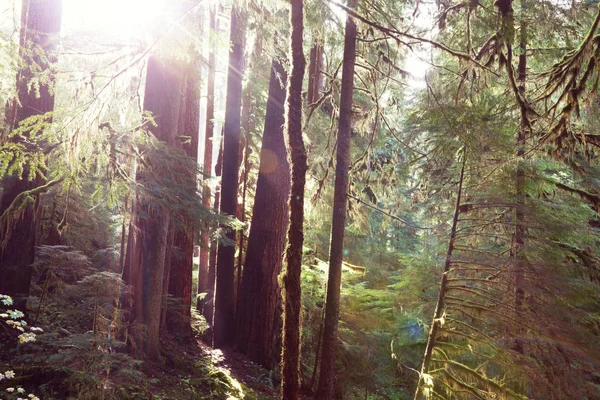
300, 199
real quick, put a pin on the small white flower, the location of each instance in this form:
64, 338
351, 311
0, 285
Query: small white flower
20, 390
1, 377
6, 300
31, 395
27, 337
16, 314
3, 315
9, 374
10, 390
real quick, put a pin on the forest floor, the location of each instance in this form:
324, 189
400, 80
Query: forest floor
193, 370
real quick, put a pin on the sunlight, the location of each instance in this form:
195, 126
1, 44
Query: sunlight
125, 19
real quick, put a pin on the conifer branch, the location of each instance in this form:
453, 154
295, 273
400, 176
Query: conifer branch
19, 204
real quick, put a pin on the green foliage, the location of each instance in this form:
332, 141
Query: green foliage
14, 319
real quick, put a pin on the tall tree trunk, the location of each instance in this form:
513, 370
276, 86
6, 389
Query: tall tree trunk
124, 237
182, 259
167, 276
248, 128
225, 290
334, 280
209, 307
519, 241
438, 315
314, 71
203, 281
162, 98
258, 308
292, 297
40, 34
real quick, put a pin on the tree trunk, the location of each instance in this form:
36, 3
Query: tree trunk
182, 259
203, 281
224, 323
162, 98
314, 71
332, 305
40, 34
438, 315
248, 129
292, 299
519, 241
258, 308
167, 277
209, 306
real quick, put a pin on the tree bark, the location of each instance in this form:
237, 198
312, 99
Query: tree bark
438, 315
292, 297
209, 307
224, 323
258, 310
314, 71
40, 34
332, 307
519, 241
149, 247
182, 259
203, 281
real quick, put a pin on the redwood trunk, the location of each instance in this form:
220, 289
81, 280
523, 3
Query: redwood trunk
147, 269
182, 259
209, 307
292, 299
224, 323
203, 268
258, 317
40, 33
332, 307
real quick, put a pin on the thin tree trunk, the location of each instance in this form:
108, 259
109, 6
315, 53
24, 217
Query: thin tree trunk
332, 305
203, 281
314, 71
438, 315
292, 297
257, 319
209, 307
167, 277
40, 27
124, 237
519, 241
225, 290
313, 378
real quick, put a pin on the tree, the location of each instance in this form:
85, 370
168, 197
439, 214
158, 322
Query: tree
224, 316
151, 221
180, 280
314, 71
203, 281
19, 208
258, 309
439, 314
292, 295
338, 225
209, 305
